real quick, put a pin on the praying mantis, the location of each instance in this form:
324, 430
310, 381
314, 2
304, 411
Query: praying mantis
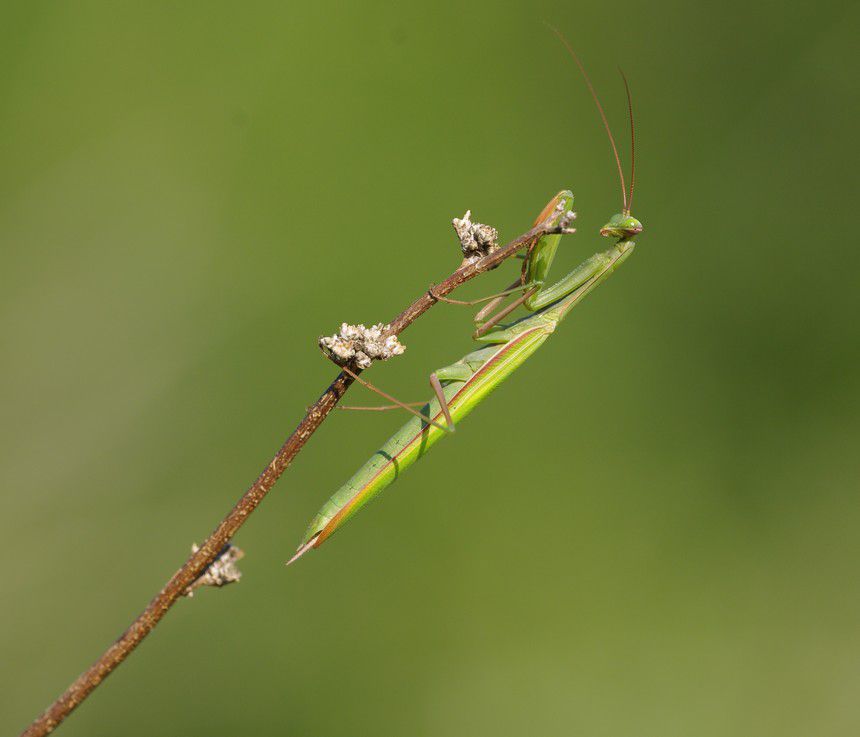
461, 386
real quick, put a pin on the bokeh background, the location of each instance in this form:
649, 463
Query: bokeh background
651, 529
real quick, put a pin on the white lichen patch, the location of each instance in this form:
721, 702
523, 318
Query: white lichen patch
476, 239
361, 346
564, 219
222, 570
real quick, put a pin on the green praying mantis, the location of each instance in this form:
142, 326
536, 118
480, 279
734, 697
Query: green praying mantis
460, 387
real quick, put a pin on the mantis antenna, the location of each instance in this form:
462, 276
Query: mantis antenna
574, 56
632, 140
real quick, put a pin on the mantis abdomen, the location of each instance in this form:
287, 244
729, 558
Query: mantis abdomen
487, 369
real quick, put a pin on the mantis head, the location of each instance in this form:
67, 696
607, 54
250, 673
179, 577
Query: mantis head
622, 225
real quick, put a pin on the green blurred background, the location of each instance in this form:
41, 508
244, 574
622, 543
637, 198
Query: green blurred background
651, 529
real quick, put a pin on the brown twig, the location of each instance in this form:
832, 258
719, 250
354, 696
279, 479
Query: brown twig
203, 557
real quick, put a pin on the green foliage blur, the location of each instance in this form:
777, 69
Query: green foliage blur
651, 529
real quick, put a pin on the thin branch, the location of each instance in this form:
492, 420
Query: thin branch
206, 554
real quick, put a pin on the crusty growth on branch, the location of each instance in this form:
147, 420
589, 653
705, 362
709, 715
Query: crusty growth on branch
360, 346
222, 571
476, 239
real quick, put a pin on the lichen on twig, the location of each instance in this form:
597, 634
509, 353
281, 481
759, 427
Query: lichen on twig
565, 221
221, 571
476, 239
356, 345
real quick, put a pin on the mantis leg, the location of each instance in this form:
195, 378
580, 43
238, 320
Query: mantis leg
496, 298
437, 389
499, 298
503, 313
396, 401
379, 408
443, 402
